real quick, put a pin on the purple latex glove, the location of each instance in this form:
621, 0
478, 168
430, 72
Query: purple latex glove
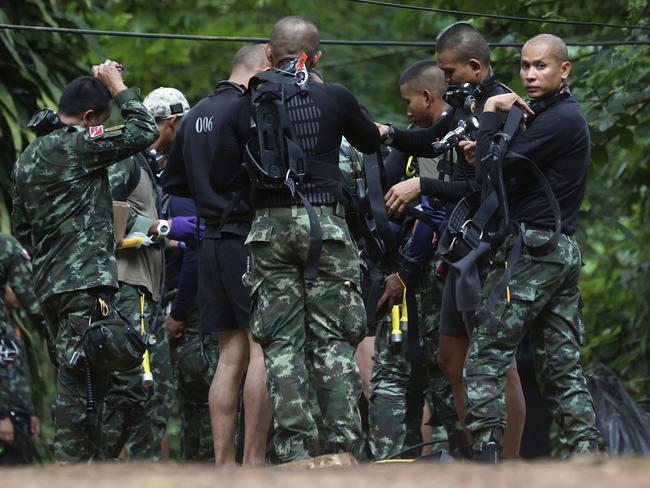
184, 229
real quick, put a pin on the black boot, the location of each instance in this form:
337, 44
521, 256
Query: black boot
489, 454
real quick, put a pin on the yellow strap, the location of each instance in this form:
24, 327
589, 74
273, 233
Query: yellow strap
142, 313
410, 170
103, 307
401, 281
146, 365
507, 287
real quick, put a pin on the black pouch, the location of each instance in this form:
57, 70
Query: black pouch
113, 345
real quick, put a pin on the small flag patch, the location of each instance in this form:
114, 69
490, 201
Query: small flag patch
96, 131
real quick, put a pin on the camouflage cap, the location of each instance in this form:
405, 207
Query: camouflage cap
166, 102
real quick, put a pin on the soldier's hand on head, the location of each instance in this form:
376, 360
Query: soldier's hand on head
469, 150
35, 426
401, 195
110, 74
174, 327
6, 431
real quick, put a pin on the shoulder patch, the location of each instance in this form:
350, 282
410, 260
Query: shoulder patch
96, 131
115, 128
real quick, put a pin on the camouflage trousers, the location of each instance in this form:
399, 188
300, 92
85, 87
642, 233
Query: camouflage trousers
329, 314
544, 300
76, 430
443, 411
124, 416
388, 385
194, 373
159, 405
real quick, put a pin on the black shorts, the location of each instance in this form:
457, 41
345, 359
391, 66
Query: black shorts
452, 322
224, 302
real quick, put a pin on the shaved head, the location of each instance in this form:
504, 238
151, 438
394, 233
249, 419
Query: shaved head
250, 58
425, 75
292, 36
465, 42
557, 47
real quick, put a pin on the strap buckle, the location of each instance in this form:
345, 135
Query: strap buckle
291, 180
472, 233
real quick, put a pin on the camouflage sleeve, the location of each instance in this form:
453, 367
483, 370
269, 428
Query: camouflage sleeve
4, 391
20, 223
21, 398
118, 176
20, 276
4, 380
98, 148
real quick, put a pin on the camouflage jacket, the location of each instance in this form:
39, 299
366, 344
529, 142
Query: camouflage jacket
17, 374
16, 270
62, 206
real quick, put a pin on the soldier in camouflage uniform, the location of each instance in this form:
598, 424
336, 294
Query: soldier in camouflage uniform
287, 309
194, 353
133, 413
62, 211
15, 269
542, 295
396, 386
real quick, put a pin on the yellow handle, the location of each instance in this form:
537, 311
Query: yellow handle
131, 242
395, 320
404, 319
147, 377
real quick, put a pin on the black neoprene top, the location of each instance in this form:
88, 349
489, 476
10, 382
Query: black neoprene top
329, 112
188, 169
557, 141
418, 142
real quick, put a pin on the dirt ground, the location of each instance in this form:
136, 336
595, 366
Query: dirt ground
583, 473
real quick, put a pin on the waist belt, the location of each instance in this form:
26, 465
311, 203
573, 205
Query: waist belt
218, 222
295, 210
282, 199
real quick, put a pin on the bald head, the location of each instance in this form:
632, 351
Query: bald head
291, 36
556, 46
425, 75
250, 58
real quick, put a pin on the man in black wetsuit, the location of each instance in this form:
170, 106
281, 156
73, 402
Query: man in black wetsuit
289, 305
543, 297
224, 303
464, 57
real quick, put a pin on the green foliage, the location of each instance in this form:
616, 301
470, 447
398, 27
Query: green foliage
612, 83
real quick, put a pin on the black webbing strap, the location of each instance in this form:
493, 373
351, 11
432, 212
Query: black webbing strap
519, 244
387, 243
375, 291
315, 233
231, 206
418, 214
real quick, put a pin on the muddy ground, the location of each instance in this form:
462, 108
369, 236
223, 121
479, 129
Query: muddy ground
568, 474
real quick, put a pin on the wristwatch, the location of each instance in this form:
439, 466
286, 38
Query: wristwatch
391, 134
163, 228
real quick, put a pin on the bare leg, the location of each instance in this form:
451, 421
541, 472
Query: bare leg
515, 413
451, 358
224, 393
426, 429
258, 409
365, 360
